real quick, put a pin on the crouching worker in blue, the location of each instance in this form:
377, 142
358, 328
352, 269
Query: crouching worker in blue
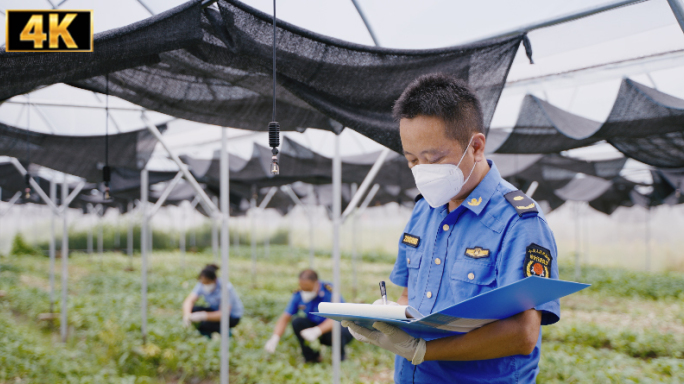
310, 327
208, 317
470, 232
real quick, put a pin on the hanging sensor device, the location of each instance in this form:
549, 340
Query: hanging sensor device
274, 143
106, 178
27, 190
273, 126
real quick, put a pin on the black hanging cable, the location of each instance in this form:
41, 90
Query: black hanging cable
27, 176
273, 126
106, 171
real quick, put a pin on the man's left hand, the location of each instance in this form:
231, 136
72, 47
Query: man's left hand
390, 338
311, 334
196, 317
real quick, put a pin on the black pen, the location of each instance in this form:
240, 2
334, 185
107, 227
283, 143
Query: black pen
383, 292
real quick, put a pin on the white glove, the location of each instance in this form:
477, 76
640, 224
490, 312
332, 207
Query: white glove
311, 334
196, 317
186, 320
379, 302
272, 343
390, 338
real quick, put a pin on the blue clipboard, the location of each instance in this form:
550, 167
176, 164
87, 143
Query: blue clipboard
499, 303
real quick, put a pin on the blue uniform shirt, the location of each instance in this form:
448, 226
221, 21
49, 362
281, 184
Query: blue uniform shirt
213, 298
324, 296
483, 244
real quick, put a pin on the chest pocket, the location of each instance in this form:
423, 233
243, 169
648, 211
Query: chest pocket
413, 259
471, 278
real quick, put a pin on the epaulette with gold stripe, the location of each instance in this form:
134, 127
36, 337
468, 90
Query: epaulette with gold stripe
521, 202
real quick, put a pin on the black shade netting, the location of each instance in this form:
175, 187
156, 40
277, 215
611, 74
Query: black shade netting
134, 45
81, 156
644, 124
647, 125
225, 78
618, 195
12, 181
544, 128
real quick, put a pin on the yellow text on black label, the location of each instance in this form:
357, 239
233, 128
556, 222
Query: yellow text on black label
411, 240
49, 31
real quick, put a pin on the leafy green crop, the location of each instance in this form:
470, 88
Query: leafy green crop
105, 344
620, 282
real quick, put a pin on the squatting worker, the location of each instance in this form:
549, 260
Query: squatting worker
309, 328
469, 233
208, 316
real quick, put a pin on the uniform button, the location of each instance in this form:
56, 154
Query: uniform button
408, 260
429, 295
438, 261
471, 276
445, 227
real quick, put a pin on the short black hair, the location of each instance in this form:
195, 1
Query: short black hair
308, 274
209, 271
444, 96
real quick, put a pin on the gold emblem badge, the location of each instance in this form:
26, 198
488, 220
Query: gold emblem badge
475, 202
411, 240
526, 206
477, 252
518, 198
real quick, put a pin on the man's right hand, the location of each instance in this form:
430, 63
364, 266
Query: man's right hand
272, 343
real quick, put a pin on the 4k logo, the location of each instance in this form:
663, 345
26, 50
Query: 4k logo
49, 31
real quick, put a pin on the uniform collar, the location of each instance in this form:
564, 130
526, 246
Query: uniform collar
480, 196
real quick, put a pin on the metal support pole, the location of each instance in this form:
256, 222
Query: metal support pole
181, 240
144, 238
65, 261
214, 234
165, 194
53, 197
253, 212
100, 234
267, 239
336, 208
225, 215
208, 205
353, 246
365, 21
129, 235
89, 240
236, 240
356, 199
34, 184
578, 271
117, 235
290, 233
647, 236
312, 227
677, 7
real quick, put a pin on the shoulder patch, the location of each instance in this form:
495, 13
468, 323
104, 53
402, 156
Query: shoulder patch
410, 240
328, 287
538, 261
521, 202
418, 198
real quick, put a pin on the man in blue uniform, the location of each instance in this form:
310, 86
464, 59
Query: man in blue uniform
470, 232
309, 328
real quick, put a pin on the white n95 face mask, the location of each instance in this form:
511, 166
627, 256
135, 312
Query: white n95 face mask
308, 295
209, 288
439, 183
